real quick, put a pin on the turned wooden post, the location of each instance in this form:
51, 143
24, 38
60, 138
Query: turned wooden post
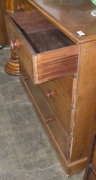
12, 66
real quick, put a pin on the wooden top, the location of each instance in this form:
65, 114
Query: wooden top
70, 16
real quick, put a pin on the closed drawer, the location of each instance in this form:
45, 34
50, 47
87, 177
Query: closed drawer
52, 54
21, 5
68, 86
50, 120
59, 103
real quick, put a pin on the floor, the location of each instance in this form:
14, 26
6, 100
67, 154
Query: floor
25, 150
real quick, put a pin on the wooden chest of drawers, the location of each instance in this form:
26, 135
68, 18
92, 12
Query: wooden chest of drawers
58, 70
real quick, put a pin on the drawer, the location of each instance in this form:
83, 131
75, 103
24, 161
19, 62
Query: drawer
21, 5
52, 54
59, 103
50, 120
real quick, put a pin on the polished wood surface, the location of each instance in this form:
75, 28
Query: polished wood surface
53, 54
70, 17
3, 31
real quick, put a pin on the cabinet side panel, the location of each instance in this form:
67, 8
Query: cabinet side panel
86, 100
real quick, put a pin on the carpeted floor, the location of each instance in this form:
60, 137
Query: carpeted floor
25, 150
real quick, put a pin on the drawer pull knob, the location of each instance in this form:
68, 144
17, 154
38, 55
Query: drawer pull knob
49, 119
14, 44
49, 94
26, 77
20, 7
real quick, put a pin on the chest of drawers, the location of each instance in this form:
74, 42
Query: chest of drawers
58, 71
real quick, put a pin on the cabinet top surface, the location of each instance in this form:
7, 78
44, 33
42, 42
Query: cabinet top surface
74, 17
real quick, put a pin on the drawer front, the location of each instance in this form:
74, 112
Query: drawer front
68, 87
48, 65
21, 5
49, 118
24, 54
59, 103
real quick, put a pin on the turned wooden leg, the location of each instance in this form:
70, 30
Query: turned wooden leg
12, 66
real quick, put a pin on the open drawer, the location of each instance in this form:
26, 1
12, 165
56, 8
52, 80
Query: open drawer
45, 51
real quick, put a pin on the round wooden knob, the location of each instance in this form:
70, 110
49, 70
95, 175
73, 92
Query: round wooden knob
18, 7
14, 44
49, 94
49, 119
26, 77
22, 6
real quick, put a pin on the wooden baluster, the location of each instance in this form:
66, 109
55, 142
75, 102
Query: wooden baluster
12, 66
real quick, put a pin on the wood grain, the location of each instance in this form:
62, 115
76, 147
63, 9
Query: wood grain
59, 57
70, 17
55, 127
86, 101
3, 31
59, 103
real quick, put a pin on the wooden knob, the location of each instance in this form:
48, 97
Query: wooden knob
18, 7
49, 119
49, 94
22, 6
14, 44
26, 77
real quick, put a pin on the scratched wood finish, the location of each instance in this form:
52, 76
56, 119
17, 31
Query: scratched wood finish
3, 31
54, 56
59, 103
70, 17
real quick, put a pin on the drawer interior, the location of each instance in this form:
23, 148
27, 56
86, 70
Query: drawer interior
40, 33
